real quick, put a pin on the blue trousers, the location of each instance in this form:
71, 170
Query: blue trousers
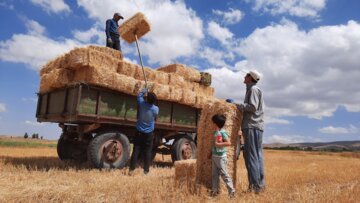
253, 155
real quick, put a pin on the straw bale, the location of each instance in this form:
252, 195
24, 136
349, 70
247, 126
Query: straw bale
109, 51
205, 139
162, 91
188, 73
203, 90
175, 94
55, 79
205, 79
124, 83
51, 65
149, 72
97, 58
185, 172
95, 75
162, 77
136, 24
127, 68
188, 97
77, 58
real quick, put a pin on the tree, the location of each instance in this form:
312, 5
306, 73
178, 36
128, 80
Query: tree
26, 136
33, 136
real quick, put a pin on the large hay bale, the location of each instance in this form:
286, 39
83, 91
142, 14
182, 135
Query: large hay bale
202, 90
189, 74
108, 51
84, 57
55, 79
124, 83
179, 82
127, 68
188, 97
136, 24
96, 75
162, 91
56, 63
185, 172
149, 72
175, 94
205, 139
162, 77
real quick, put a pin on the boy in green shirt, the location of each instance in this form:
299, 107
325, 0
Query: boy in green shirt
218, 155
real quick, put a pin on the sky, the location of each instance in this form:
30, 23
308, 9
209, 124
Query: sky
307, 52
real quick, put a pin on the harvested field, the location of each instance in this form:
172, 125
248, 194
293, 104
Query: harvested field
36, 175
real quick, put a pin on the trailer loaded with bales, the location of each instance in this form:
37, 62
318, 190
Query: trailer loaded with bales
91, 93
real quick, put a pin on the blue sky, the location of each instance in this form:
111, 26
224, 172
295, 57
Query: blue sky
307, 51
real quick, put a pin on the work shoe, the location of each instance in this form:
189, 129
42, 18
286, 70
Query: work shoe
232, 195
214, 193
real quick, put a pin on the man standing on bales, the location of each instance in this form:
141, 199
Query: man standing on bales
112, 34
143, 141
252, 129
219, 157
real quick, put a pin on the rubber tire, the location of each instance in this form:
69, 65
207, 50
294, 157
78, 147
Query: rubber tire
238, 147
176, 154
63, 149
94, 147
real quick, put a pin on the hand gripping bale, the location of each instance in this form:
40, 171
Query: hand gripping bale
136, 25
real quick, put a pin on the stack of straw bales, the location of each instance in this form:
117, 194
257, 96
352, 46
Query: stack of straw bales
185, 172
205, 139
105, 67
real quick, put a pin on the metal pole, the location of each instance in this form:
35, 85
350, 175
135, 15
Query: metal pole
142, 66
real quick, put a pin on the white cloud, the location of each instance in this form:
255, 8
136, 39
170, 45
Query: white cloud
220, 33
55, 6
270, 120
338, 130
300, 8
93, 34
7, 5
33, 48
33, 123
175, 33
35, 28
232, 16
302, 70
285, 139
2, 107
32, 99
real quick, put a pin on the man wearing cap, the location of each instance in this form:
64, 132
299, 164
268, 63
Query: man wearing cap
252, 129
112, 34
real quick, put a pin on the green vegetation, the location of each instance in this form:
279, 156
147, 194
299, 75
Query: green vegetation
16, 143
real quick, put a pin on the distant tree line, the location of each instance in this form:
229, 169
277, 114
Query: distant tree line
310, 149
33, 136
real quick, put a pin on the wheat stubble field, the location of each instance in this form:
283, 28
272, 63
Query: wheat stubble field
36, 175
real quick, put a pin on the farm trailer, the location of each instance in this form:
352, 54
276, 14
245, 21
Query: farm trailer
98, 125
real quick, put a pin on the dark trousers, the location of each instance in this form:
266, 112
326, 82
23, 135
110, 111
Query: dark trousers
115, 42
143, 144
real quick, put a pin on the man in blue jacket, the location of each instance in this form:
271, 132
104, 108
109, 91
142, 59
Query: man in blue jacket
112, 34
143, 142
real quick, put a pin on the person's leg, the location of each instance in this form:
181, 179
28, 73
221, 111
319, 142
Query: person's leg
252, 159
215, 175
148, 145
259, 135
225, 175
116, 44
136, 152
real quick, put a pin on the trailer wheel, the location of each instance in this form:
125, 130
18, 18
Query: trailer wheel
63, 149
183, 148
109, 150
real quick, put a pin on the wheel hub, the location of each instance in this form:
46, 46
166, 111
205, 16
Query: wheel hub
186, 151
112, 151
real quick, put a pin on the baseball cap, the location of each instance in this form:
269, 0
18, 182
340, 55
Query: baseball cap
118, 14
255, 74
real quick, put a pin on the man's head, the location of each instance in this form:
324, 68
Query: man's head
219, 120
252, 76
151, 98
117, 16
